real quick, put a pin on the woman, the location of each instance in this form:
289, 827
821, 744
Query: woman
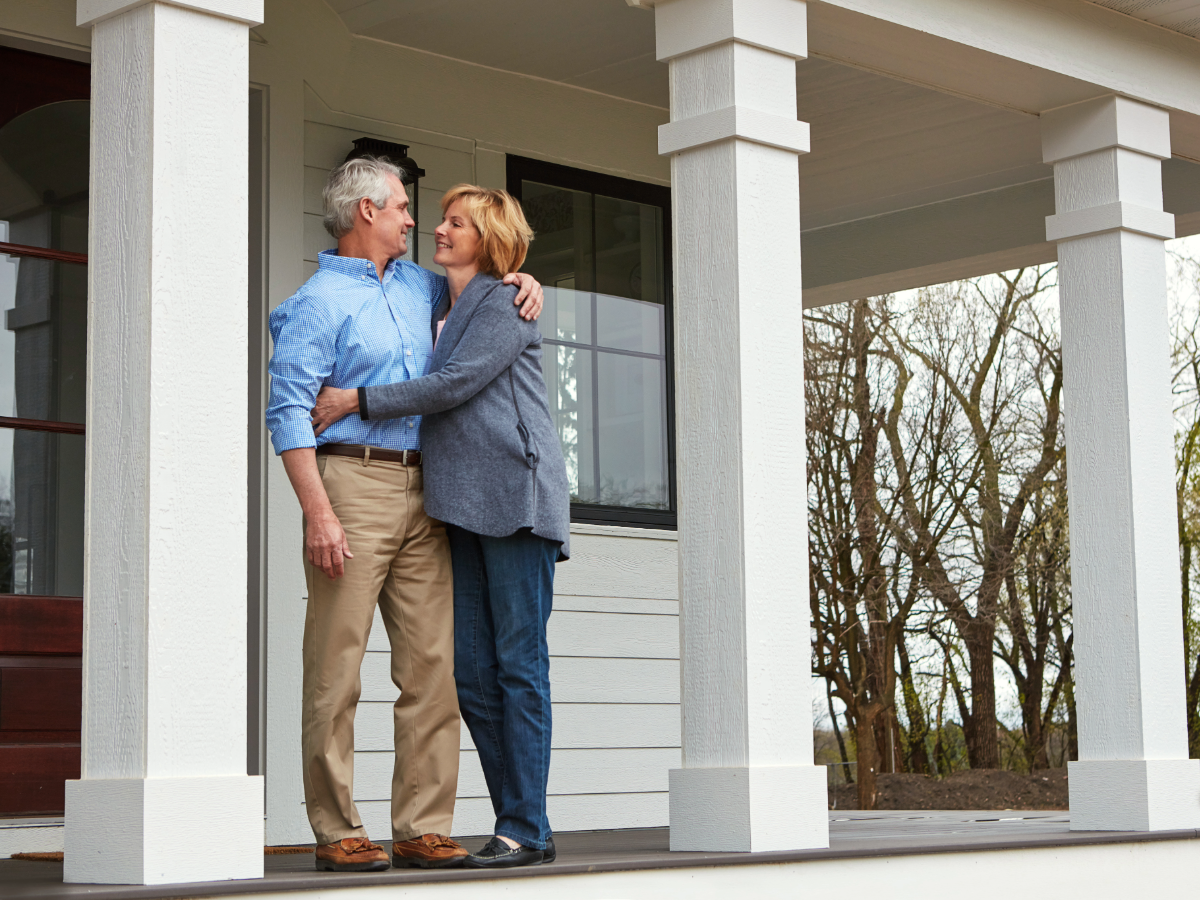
494, 473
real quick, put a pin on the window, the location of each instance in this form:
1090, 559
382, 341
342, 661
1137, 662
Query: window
601, 250
44, 127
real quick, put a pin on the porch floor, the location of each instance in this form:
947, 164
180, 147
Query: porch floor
853, 835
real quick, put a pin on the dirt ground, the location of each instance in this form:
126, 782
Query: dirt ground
973, 789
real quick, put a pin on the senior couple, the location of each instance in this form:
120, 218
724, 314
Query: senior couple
411, 415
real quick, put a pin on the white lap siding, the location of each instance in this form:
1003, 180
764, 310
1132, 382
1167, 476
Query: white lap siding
614, 674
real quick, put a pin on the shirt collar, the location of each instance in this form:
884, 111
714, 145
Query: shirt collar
350, 265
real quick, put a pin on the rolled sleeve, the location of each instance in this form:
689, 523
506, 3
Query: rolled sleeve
303, 358
292, 436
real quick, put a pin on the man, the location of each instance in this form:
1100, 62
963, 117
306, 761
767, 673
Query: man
365, 318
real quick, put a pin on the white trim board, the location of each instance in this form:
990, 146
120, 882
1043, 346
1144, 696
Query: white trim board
625, 531
30, 836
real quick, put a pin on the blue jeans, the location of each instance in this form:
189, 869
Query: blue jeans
503, 593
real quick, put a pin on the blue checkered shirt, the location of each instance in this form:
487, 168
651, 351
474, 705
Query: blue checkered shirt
345, 328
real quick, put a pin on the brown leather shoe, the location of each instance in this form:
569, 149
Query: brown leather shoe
429, 851
351, 855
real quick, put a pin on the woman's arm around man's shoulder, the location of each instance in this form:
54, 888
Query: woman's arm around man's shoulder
492, 339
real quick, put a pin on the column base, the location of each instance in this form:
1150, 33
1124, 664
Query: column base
163, 830
749, 809
1134, 794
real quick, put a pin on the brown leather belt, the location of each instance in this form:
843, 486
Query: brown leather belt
357, 451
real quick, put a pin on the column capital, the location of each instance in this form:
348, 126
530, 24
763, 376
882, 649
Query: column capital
738, 122
685, 26
89, 12
1103, 123
1117, 216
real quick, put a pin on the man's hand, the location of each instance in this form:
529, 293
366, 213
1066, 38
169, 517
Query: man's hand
325, 544
333, 404
530, 294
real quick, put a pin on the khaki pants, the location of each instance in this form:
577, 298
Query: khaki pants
402, 562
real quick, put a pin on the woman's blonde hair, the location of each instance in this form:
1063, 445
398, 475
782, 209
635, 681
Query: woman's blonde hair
504, 233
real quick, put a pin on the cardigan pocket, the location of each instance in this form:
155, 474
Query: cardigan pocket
531, 454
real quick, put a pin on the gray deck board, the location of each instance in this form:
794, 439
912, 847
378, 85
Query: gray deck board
853, 835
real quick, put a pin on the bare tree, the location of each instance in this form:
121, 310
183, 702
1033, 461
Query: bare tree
938, 528
1185, 355
857, 627
1036, 606
971, 337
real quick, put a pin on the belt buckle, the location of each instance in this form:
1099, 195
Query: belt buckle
404, 457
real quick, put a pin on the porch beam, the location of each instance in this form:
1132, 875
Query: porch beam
164, 796
964, 237
959, 238
748, 781
963, 46
1133, 772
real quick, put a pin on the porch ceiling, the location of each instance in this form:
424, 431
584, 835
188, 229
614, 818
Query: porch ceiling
908, 182
603, 45
1177, 15
878, 144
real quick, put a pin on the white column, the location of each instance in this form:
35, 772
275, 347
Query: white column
1133, 771
748, 781
164, 795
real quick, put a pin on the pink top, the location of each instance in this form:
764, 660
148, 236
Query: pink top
441, 324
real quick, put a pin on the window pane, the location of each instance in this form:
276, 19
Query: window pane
629, 249
629, 324
568, 373
566, 316
632, 429
44, 176
43, 344
41, 513
43, 203
561, 252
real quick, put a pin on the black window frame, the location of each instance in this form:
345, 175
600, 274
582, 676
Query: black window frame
521, 168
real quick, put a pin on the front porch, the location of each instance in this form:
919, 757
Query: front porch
908, 852
939, 141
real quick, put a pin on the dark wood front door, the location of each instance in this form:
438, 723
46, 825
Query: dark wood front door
44, 120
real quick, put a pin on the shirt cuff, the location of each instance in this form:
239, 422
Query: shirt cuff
293, 436
362, 404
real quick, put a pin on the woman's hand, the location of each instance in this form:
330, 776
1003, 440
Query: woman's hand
333, 404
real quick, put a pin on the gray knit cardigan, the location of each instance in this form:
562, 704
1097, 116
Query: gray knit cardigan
493, 463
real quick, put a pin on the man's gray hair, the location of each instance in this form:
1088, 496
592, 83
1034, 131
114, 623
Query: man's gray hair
354, 179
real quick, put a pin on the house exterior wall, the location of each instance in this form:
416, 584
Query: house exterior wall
614, 633
614, 636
